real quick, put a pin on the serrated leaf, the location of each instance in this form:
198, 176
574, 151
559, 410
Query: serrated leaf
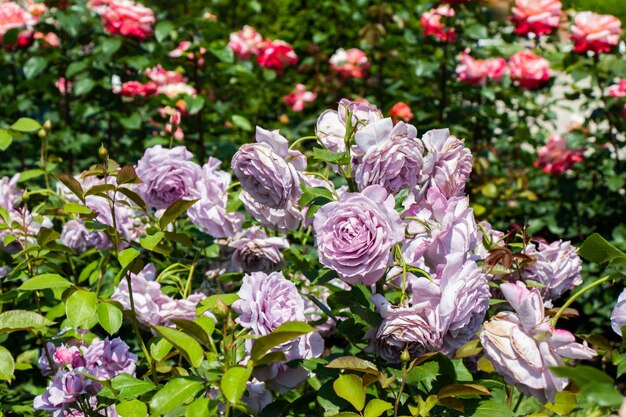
14, 320
185, 344
233, 383
110, 317
284, 333
177, 392
44, 281
350, 388
25, 124
174, 211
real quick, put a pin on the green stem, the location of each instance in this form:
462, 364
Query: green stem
576, 296
321, 176
302, 139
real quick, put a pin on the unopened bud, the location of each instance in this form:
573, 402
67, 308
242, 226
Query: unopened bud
103, 153
47, 124
405, 356
42, 133
221, 310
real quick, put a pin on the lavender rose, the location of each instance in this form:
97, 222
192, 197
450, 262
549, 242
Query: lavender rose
255, 251
523, 346
9, 194
557, 267
355, 235
387, 155
618, 315
108, 358
448, 163
168, 175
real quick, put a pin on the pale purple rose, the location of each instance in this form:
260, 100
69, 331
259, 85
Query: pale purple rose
109, 358
409, 328
557, 266
62, 392
167, 175
387, 155
330, 128
269, 171
618, 315
24, 226
448, 163
78, 238
282, 220
9, 194
437, 227
257, 397
355, 235
523, 345
182, 309
129, 226
255, 251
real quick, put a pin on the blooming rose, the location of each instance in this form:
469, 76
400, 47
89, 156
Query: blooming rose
268, 171
108, 358
401, 111
276, 55
255, 251
448, 163
331, 124
442, 227
476, 71
523, 345
135, 88
496, 68
12, 16
432, 23
618, 90
557, 266
536, 16
349, 63
555, 157
176, 89
127, 18
9, 194
387, 155
76, 236
298, 97
168, 175
64, 86
355, 235
163, 77
595, 32
529, 70
618, 315
246, 42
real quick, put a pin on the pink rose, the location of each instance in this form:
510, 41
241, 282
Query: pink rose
246, 42
618, 90
349, 63
163, 77
135, 88
496, 68
277, 55
529, 69
298, 97
12, 16
127, 18
471, 70
556, 158
595, 32
432, 24
536, 16
64, 86
401, 111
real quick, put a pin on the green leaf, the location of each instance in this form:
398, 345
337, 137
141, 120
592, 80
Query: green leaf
160, 348
241, 122
5, 140
80, 307
177, 392
71, 183
13, 320
150, 242
7, 364
76, 67
132, 408
424, 375
44, 281
597, 249
582, 375
46, 235
194, 104
126, 256
162, 30
199, 408
193, 329
605, 395
456, 390
131, 387
84, 86
350, 388
126, 175
376, 408
564, 403
131, 122
25, 124
134, 197
110, 45
224, 54
211, 301
76, 208
30, 174
491, 408
110, 317
330, 157
353, 363
34, 66
284, 333
175, 210
186, 344
233, 383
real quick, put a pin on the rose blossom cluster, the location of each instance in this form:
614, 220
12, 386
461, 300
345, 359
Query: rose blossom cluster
477, 71
168, 83
103, 359
435, 23
125, 17
272, 54
350, 63
298, 98
555, 157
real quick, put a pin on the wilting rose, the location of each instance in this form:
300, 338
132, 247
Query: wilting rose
127, 18
432, 23
401, 111
444, 227
557, 266
299, 97
536, 16
209, 212
387, 155
268, 171
168, 175
529, 70
555, 157
448, 162
349, 63
246, 42
355, 235
276, 55
595, 32
255, 251
523, 345
618, 315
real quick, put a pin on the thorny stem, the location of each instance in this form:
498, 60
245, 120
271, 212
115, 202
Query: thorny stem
576, 296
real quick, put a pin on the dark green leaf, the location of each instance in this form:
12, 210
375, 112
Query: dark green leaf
177, 392
175, 210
